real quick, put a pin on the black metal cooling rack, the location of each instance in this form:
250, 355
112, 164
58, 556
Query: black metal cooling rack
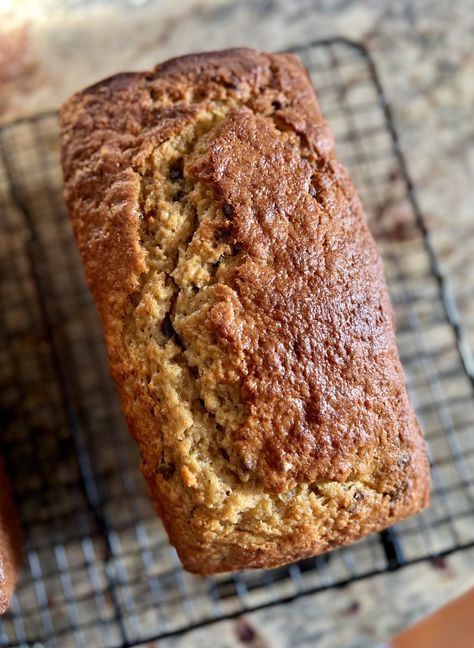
98, 570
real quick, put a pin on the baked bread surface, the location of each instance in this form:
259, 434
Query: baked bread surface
247, 321
10, 544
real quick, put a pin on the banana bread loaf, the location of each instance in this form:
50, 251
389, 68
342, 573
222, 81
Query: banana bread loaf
247, 322
10, 545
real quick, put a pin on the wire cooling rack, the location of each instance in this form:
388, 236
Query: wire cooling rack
98, 569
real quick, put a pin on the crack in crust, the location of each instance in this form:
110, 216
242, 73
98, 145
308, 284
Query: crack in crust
177, 214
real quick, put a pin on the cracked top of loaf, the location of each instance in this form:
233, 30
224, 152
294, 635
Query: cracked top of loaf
247, 321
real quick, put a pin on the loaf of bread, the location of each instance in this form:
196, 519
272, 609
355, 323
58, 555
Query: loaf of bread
10, 544
247, 321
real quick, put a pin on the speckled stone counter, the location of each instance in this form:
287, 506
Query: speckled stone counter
424, 52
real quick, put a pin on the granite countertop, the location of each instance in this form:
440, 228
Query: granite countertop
424, 52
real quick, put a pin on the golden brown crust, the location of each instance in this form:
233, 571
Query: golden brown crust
247, 320
10, 544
